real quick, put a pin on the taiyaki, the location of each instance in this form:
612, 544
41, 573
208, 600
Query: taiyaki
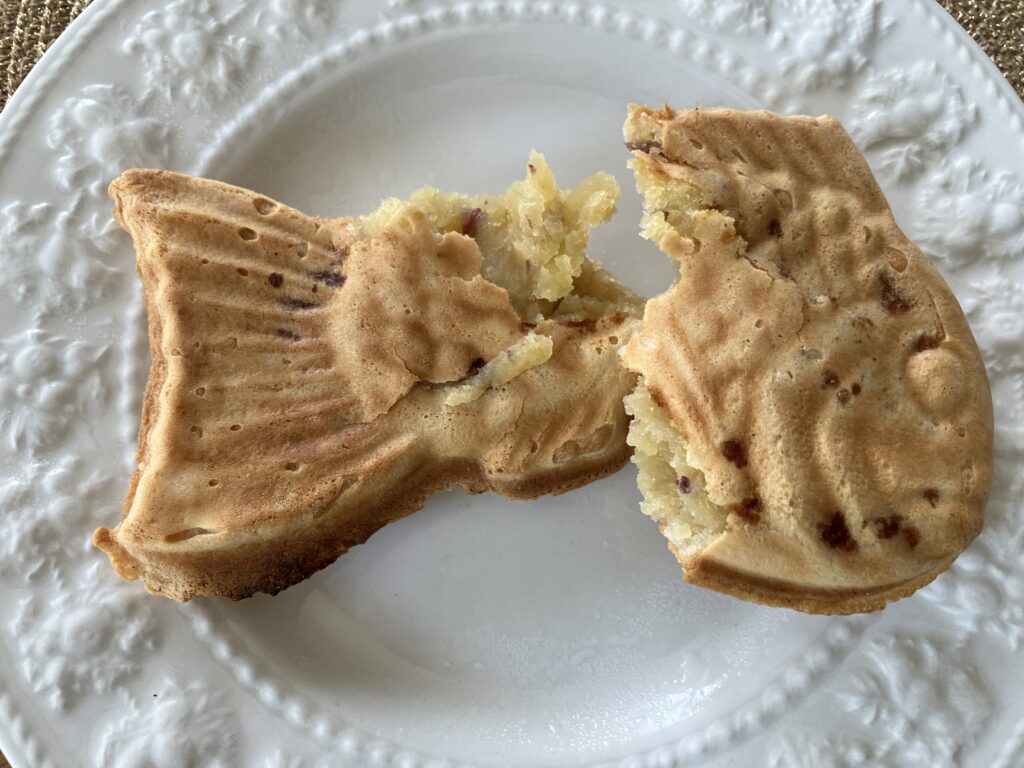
813, 422
315, 379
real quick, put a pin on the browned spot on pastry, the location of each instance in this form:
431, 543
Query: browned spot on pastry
683, 484
928, 341
855, 389
749, 510
474, 367
830, 381
931, 495
887, 527
775, 228
298, 305
284, 333
647, 147
329, 278
911, 536
276, 279
836, 534
891, 299
734, 452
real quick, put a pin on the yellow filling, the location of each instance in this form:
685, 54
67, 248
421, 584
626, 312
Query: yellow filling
673, 490
532, 240
530, 351
669, 204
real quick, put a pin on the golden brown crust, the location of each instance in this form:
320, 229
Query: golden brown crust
816, 363
261, 454
781, 593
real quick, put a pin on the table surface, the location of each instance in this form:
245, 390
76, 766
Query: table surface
27, 27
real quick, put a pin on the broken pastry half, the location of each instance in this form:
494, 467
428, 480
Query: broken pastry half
313, 380
812, 423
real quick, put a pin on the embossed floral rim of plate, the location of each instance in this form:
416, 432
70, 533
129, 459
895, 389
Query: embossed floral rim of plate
479, 631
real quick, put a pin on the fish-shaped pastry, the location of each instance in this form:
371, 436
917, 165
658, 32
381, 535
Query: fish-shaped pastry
315, 379
813, 422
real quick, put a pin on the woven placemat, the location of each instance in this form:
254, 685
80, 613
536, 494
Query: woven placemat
27, 27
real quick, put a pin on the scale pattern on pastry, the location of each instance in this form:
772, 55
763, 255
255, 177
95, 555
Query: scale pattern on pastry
301, 370
813, 423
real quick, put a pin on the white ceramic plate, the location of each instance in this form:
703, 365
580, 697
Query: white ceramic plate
479, 631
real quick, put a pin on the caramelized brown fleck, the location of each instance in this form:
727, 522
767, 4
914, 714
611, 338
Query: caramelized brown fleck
927, 341
340, 255
836, 534
775, 228
647, 147
887, 527
911, 536
284, 333
734, 452
474, 366
275, 279
471, 221
861, 321
330, 279
683, 484
831, 380
891, 299
749, 510
298, 305
931, 495
855, 389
